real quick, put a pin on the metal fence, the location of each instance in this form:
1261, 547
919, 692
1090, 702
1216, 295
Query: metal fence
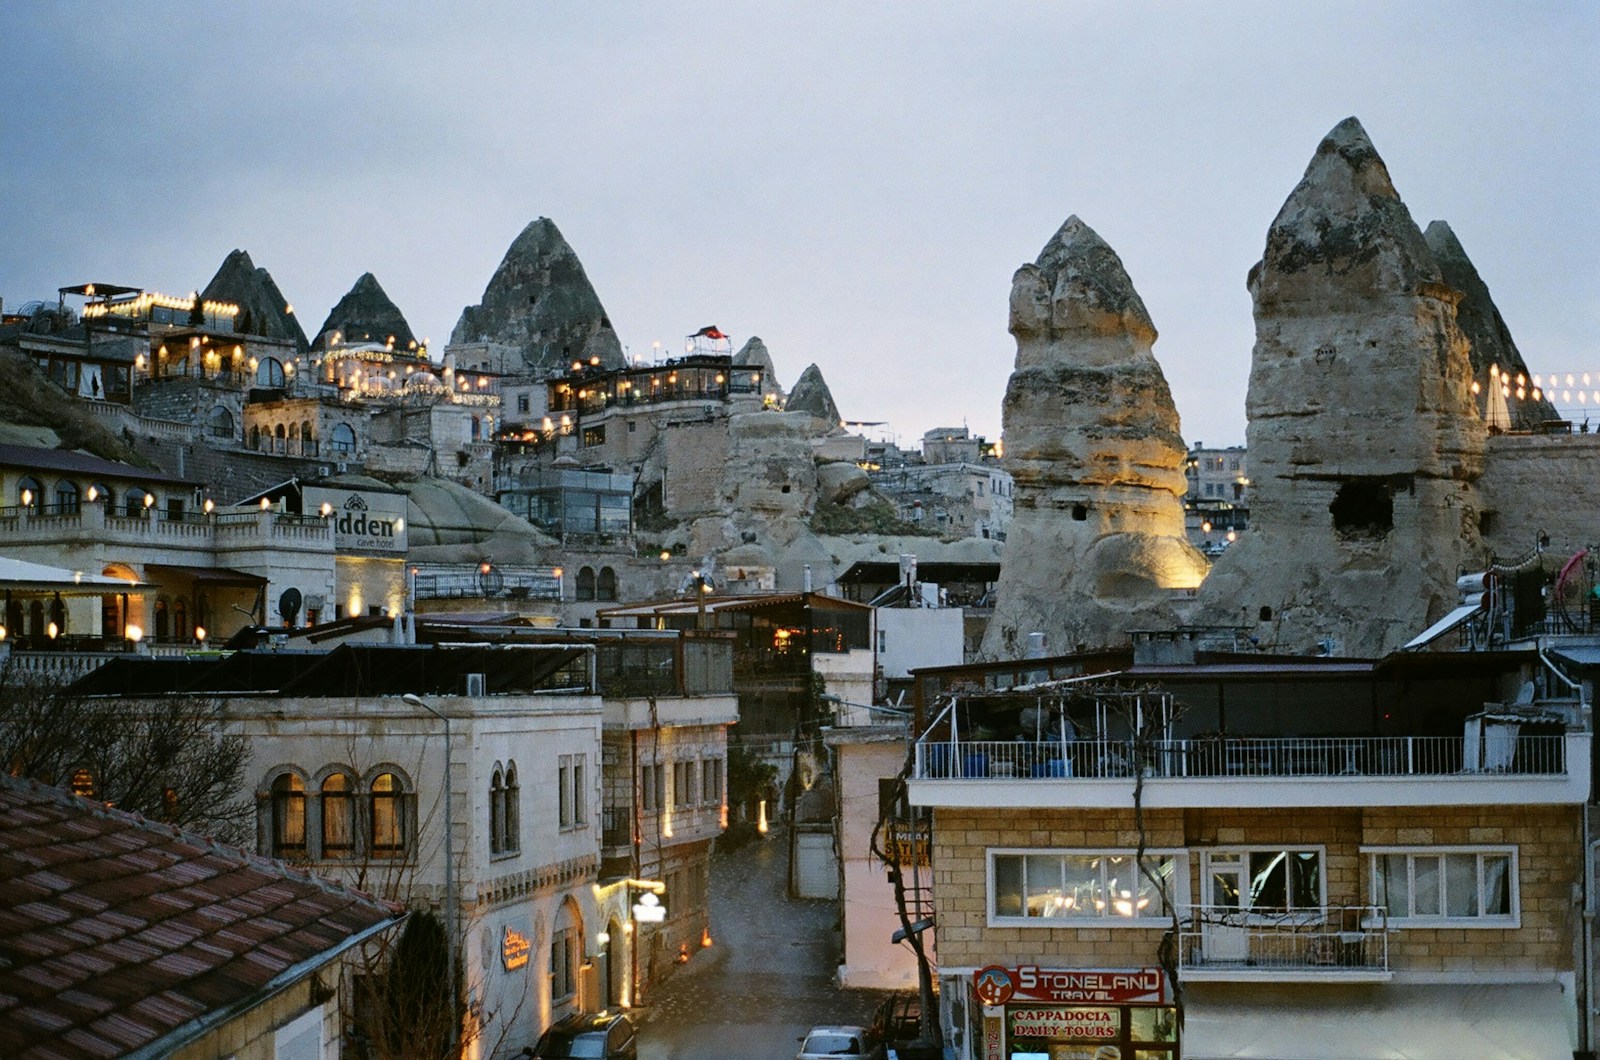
1350, 938
1335, 756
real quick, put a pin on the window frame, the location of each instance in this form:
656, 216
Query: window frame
1270, 913
1479, 922
280, 845
1179, 897
350, 797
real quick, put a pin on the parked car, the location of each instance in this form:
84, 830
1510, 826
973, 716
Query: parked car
839, 1040
594, 1037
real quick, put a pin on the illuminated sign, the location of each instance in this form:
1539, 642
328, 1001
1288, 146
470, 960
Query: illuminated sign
1066, 1023
907, 844
1031, 983
362, 520
648, 909
514, 949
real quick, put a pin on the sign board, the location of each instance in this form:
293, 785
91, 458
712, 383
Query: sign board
907, 843
1067, 1023
993, 1036
363, 520
514, 949
996, 985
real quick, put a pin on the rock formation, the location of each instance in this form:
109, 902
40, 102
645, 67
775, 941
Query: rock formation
365, 314
541, 302
1364, 441
812, 396
262, 308
1490, 342
1097, 544
754, 354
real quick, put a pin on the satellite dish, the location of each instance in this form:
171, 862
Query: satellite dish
289, 605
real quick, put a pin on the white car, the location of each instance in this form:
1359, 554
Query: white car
841, 1040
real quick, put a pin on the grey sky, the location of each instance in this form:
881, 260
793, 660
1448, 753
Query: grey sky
854, 182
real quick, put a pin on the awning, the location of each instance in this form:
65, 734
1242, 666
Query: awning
207, 575
1377, 1021
22, 576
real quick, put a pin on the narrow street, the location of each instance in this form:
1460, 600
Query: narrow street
767, 978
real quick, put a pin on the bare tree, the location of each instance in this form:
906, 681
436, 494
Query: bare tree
928, 1027
167, 758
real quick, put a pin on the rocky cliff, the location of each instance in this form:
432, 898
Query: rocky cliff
366, 314
1365, 444
263, 308
1489, 342
812, 397
1096, 545
540, 301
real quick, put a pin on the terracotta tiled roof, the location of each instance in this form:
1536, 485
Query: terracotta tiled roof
115, 932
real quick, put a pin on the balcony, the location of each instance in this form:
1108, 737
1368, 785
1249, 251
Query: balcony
1239, 771
1336, 944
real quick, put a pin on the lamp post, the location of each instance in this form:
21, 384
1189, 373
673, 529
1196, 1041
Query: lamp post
451, 910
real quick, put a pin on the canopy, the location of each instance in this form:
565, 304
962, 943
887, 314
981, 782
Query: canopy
23, 576
1380, 1021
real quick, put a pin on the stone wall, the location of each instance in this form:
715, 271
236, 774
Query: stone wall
1536, 483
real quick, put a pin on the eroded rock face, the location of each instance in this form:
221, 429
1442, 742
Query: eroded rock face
812, 396
754, 354
540, 301
1364, 441
1489, 341
366, 314
263, 309
1096, 545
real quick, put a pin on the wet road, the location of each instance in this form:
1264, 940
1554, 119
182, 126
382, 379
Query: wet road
767, 978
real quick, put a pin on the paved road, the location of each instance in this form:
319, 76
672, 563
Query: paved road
767, 978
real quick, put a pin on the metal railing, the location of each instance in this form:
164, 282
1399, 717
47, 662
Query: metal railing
1334, 756
1346, 938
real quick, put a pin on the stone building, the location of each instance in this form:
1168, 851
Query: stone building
1216, 507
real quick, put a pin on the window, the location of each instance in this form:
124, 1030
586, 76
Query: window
269, 372
593, 436
497, 809
220, 423
288, 816
652, 788
511, 812
683, 783
389, 823
564, 958
30, 494
102, 493
522, 402
711, 781
605, 585
343, 439
1276, 880
573, 797
82, 783
586, 583
66, 497
1448, 886
1033, 887
338, 816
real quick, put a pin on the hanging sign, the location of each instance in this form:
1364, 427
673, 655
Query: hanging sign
514, 949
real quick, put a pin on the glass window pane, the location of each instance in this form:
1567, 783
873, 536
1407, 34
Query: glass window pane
1153, 1024
1007, 885
1225, 888
1425, 887
1394, 883
1269, 879
1044, 884
1496, 885
1461, 884
1083, 892
1305, 878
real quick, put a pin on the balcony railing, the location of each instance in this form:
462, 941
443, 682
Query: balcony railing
1337, 756
1351, 941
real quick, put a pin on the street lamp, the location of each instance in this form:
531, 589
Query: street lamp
451, 911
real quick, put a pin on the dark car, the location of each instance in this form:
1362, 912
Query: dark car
594, 1037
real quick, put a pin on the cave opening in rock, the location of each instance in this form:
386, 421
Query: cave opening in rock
1080, 512
1363, 507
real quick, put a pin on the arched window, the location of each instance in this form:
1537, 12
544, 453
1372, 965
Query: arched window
163, 619
83, 782
100, 493
338, 816
511, 817
269, 372
282, 440
308, 442
388, 816
566, 942
343, 439
497, 810
30, 494
180, 619
66, 498
605, 587
586, 583
133, 503
255, 438
202, 610
288, 816
36, 619
220, 423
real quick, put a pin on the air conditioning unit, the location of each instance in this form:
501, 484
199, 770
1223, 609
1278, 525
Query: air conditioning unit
475, 686
343, 467
323, 471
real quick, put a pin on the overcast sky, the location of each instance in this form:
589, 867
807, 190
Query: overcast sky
854, 182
